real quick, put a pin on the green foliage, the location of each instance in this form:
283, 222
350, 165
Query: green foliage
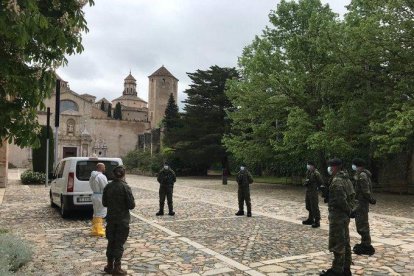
171, 122
35, 38
110, 110
39, 154
31, 177
14, 253
142, 162
118, 112
314, 86
196, 139
102, 106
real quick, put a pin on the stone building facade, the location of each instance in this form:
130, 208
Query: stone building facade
87, 130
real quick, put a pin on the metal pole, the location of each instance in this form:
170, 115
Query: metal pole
47, 146
57, 113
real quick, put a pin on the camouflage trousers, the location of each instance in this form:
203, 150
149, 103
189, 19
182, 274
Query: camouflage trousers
244, 196
166, 191
117, 234
312, 205
362, 225
339, 241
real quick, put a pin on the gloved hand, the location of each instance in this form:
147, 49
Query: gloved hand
372, 201
306, 183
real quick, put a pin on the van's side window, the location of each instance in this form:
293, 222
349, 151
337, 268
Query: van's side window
57, 169
61, 168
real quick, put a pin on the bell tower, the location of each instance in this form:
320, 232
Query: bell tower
130, 85
161, 84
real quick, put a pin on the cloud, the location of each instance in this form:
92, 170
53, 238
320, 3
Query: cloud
183, 35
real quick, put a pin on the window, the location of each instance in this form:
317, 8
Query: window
84, 169
68, 105
60, 169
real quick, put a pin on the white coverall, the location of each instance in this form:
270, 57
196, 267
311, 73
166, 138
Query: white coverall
98, 181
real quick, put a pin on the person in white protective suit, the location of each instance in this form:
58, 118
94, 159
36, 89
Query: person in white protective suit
98, 181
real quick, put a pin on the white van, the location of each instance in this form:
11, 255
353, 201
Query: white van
69, 188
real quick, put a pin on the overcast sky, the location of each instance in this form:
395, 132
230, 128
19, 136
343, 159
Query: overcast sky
182, 35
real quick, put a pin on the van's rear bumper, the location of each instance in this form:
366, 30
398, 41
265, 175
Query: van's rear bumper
69, 201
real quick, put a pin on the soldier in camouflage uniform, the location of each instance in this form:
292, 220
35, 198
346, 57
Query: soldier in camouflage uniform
340, 206
313, 182
363, 190
166, 178
244, 179
117, 197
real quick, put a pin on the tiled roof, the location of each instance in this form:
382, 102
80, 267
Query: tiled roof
130, 98
162, 72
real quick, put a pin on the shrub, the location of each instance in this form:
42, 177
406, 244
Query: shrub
31, 177
14, 253
142, 162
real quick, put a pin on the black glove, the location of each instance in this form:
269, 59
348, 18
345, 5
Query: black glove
352, 214
372, 201
306, 183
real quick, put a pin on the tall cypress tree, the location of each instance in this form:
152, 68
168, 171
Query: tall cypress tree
170, 122
110, 110
102, 106
118, 112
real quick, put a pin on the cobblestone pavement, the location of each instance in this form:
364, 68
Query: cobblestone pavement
205, 238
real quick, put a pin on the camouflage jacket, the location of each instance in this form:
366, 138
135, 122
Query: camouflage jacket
341, 194
313, 180
117, 197
244, 178
166, 177
363, 185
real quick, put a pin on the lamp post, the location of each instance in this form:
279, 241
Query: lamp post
57, 114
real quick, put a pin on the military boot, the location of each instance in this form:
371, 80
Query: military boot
171, 213
109, 267
330, 272
240, 213
249, 214
362, 249
316, 224
309, 221
160, 213
118, 270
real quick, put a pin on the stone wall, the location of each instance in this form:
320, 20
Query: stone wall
159, 92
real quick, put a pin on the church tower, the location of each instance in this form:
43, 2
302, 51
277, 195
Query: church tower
161, 84
130, 86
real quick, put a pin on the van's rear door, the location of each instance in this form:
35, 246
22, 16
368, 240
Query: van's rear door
84, 169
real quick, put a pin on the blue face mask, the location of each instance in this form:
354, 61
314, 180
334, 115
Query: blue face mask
354, 167
308, 167
242, 168
166, 167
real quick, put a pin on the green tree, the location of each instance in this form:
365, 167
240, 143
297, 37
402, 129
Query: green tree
110, 110
171, 122
39, 154
35, 37
118, 112
204, 120
102, 106
285, 82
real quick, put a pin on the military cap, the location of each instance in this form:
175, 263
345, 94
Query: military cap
335, 162
359, 162
311, 163
119, 171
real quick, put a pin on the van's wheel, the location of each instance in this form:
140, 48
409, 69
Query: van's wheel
52, 204
64, 212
